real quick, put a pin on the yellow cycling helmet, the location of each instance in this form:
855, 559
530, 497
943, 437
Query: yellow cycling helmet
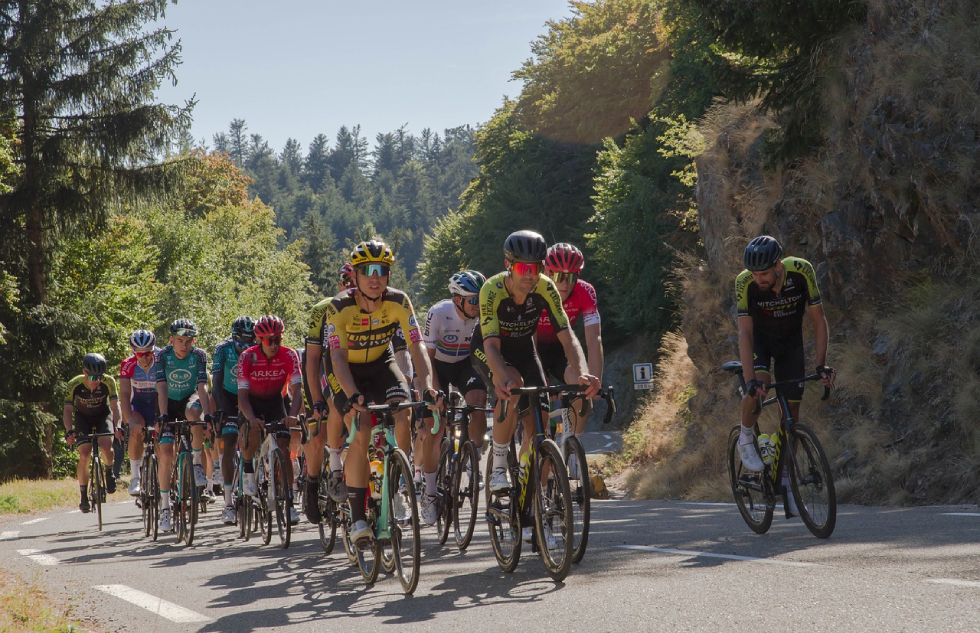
372, 252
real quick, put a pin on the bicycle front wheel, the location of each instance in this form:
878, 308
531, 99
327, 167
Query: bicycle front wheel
465, 494
149, 496
328, 511
281, 495
812, 482
444, 496
187, 503
503, 517
96, 483
263, 513
580, 488
553, 511
750, 488
405, 539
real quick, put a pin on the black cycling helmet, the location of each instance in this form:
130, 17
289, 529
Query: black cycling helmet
243, 330
95, 364
525, 246
762, 253
183, 327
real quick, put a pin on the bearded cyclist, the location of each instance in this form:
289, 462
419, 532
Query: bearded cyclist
772, 295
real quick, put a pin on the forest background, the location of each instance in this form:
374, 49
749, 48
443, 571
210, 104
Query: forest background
659, 135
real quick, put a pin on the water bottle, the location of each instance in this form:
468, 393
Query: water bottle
767, 449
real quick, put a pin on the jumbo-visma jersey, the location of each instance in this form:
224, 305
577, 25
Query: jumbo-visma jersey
365, 335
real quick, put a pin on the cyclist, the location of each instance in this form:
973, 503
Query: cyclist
224, 381
263, 369
317, 364
182, 380
503, 343
562, 264
138, 388
448, 333
90, 399
360, 325
772, 294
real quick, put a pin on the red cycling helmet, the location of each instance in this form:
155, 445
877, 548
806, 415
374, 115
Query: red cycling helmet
269, 325
347, 276
564, 258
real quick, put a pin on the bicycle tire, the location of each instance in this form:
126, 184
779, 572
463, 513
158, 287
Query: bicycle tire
368, 557
812, 482
96, 483
349, 547
581, 496
263, 513
553, 511
148, 497
466, 495
750, 488
280, 486
328, 512
503, 519
188, 499
405, 537
444, 495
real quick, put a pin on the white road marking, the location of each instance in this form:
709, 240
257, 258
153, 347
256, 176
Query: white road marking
159, 606
607, 436
39, 557
955, 583
9, 536
33, 521
961, 514
751, 559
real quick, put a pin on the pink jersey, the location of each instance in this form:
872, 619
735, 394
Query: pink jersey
265, 377
581, 302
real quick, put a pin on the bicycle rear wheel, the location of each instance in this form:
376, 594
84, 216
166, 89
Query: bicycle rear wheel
465, 494
368, 556
580, 487
553, 511
406, 543
812, 482
349, 547
503, 518
753, 491
281, 490
444, 495
328, 511
96, 483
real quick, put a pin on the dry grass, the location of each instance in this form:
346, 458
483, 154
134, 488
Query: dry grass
28, 496
24, 608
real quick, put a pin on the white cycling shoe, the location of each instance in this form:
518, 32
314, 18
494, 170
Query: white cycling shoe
750, 456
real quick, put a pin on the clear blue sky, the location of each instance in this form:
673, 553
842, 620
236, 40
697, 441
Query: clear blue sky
298, 68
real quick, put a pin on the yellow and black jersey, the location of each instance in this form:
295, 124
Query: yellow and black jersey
91, 402
366, 335
778, 315
501, 317
317, 326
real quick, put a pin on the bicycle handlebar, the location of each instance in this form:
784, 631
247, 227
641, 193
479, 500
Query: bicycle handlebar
572, 392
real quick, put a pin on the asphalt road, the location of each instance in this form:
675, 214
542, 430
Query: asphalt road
651, 565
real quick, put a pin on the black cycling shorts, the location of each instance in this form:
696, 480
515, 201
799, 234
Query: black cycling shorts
554, 362
380, 381
516, 354
230, 410
786, 359
89, 424
460, 374
270, 410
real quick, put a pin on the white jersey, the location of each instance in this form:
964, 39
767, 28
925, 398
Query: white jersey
447, 332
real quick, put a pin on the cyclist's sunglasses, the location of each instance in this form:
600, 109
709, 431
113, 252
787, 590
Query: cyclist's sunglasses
525, 268
185, 332
371, 270
242, 344
96, 378
474, 300
560, 277
271, 340
142, 354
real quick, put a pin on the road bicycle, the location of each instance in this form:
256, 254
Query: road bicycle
185, 495
457, 478
96, 490
332, 514
271, 482
391, 507
548, 509
811, 480
579, 481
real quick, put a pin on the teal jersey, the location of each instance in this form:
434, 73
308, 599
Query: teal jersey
225, 363
181, 375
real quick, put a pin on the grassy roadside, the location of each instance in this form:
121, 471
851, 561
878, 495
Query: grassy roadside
29, 496
25, 608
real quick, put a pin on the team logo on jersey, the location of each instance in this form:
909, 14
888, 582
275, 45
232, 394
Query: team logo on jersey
365, 322
331, 328
414, 335
411, 321
375, 322
451, 338
180, 375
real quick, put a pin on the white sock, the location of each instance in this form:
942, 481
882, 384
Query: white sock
746, 436
430, 484
135, 465
165, 499
500, 456
227, 490
196, 456
336, 463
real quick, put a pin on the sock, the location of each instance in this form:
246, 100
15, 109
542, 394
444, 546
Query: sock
196, 456
357, 498
500, 456
247, 467
479, 452
745, 436
135, 465
418, 473
165, 499
430, 484
81, 489
336, 463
